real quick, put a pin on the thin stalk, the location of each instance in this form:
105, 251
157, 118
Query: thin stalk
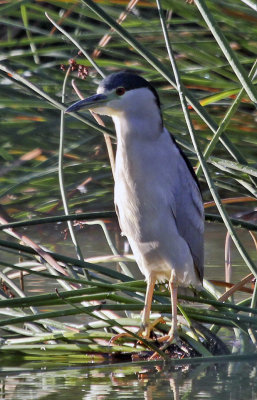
111, 214
227, 51
59, 336
31, 328
236, 222
61, 183
84, 52
123, 266
107, 37
98, 119
69, 260
224, 123
60, 218
251, 4
103, 295
59, 349
44, 274
231, 166
51, 263
16, 289
12, 75
24, 332
26, 26
229, 319
251, 265
252, 334
248, 186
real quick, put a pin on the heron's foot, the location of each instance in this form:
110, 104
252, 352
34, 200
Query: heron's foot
141, 332
146, 330
172, 337
118, 336
167, 340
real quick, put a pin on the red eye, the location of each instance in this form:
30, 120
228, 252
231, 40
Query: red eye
120, 91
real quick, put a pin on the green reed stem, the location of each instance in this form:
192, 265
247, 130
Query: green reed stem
224, 123
227, 51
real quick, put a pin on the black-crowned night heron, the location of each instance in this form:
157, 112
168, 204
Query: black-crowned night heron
157, 196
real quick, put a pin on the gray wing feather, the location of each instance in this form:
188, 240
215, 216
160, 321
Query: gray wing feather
190, 214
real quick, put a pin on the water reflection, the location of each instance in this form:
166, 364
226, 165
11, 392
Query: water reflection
230, 381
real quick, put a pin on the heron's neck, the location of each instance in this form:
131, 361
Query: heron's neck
143, 125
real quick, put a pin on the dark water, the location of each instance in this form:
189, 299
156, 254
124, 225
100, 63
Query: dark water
228, 381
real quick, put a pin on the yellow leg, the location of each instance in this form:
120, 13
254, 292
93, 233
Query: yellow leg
173, 330
146, 327
173, 296
168, 339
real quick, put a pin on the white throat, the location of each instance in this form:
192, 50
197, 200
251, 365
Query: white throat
140, 118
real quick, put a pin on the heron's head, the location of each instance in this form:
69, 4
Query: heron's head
119, 93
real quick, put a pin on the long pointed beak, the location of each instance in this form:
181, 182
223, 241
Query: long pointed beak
90, 102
